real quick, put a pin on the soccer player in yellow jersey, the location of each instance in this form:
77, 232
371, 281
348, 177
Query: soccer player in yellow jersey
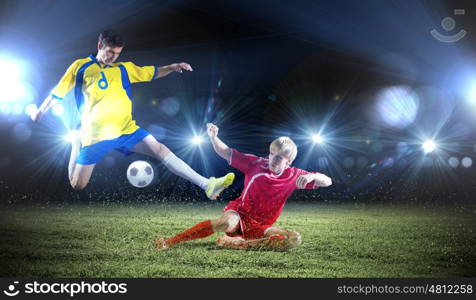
102, 91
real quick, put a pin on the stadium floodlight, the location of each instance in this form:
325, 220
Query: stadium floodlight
429, 146
71, 136
317, 138
197, 140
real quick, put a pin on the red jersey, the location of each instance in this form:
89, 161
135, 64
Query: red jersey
264, 193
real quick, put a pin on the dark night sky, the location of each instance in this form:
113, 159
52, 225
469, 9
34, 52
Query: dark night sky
270, 66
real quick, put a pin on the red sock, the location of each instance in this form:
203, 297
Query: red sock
198, 231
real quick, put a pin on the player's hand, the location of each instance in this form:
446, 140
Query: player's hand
36, 116
212, 130
322, 180
303, 180
179, 67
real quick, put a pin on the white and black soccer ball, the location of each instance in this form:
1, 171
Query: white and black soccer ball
140, 173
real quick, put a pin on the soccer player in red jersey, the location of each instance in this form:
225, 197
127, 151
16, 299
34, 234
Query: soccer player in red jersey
248, 220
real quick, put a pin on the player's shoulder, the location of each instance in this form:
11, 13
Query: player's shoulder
79, 62
255, 159
82, 61
76, 65
248, 156
291, 174
124, 63
251, 156
297, 171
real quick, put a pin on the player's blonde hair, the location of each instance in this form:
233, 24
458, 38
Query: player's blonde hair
284, 145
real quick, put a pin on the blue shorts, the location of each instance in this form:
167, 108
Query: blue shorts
94, 153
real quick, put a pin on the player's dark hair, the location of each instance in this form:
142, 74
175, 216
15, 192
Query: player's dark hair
111, 38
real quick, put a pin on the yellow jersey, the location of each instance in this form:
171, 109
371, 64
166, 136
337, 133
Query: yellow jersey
103, 96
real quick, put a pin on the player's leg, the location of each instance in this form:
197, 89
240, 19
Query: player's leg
274, 239
291, 239
212, 186
81, 175
78, 174
228, 222
75, 149
275, 242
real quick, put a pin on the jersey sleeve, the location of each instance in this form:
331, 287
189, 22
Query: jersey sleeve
140, 74
67, 82
241, 161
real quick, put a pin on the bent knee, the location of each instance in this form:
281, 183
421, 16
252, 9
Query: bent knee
232, 226
78, 184
225, 224
160, 150
232, 222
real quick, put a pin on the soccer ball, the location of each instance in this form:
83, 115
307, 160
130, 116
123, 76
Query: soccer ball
140, 173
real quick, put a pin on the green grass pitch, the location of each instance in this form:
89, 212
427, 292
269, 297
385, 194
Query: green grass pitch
339, 240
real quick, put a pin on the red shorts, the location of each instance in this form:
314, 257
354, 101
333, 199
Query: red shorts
248, 228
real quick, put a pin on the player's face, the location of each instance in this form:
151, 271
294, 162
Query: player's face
277, 162
108, 54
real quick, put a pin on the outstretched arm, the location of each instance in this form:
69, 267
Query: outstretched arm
321, 180
220, 148
45, 106
166, 70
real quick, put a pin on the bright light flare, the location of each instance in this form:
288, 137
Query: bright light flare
17, 109
58, 109
72, 136
5, 108
9, 70
317, 138
197, 140
429, 146
12, 87
13, 91
30, 109
471, 96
